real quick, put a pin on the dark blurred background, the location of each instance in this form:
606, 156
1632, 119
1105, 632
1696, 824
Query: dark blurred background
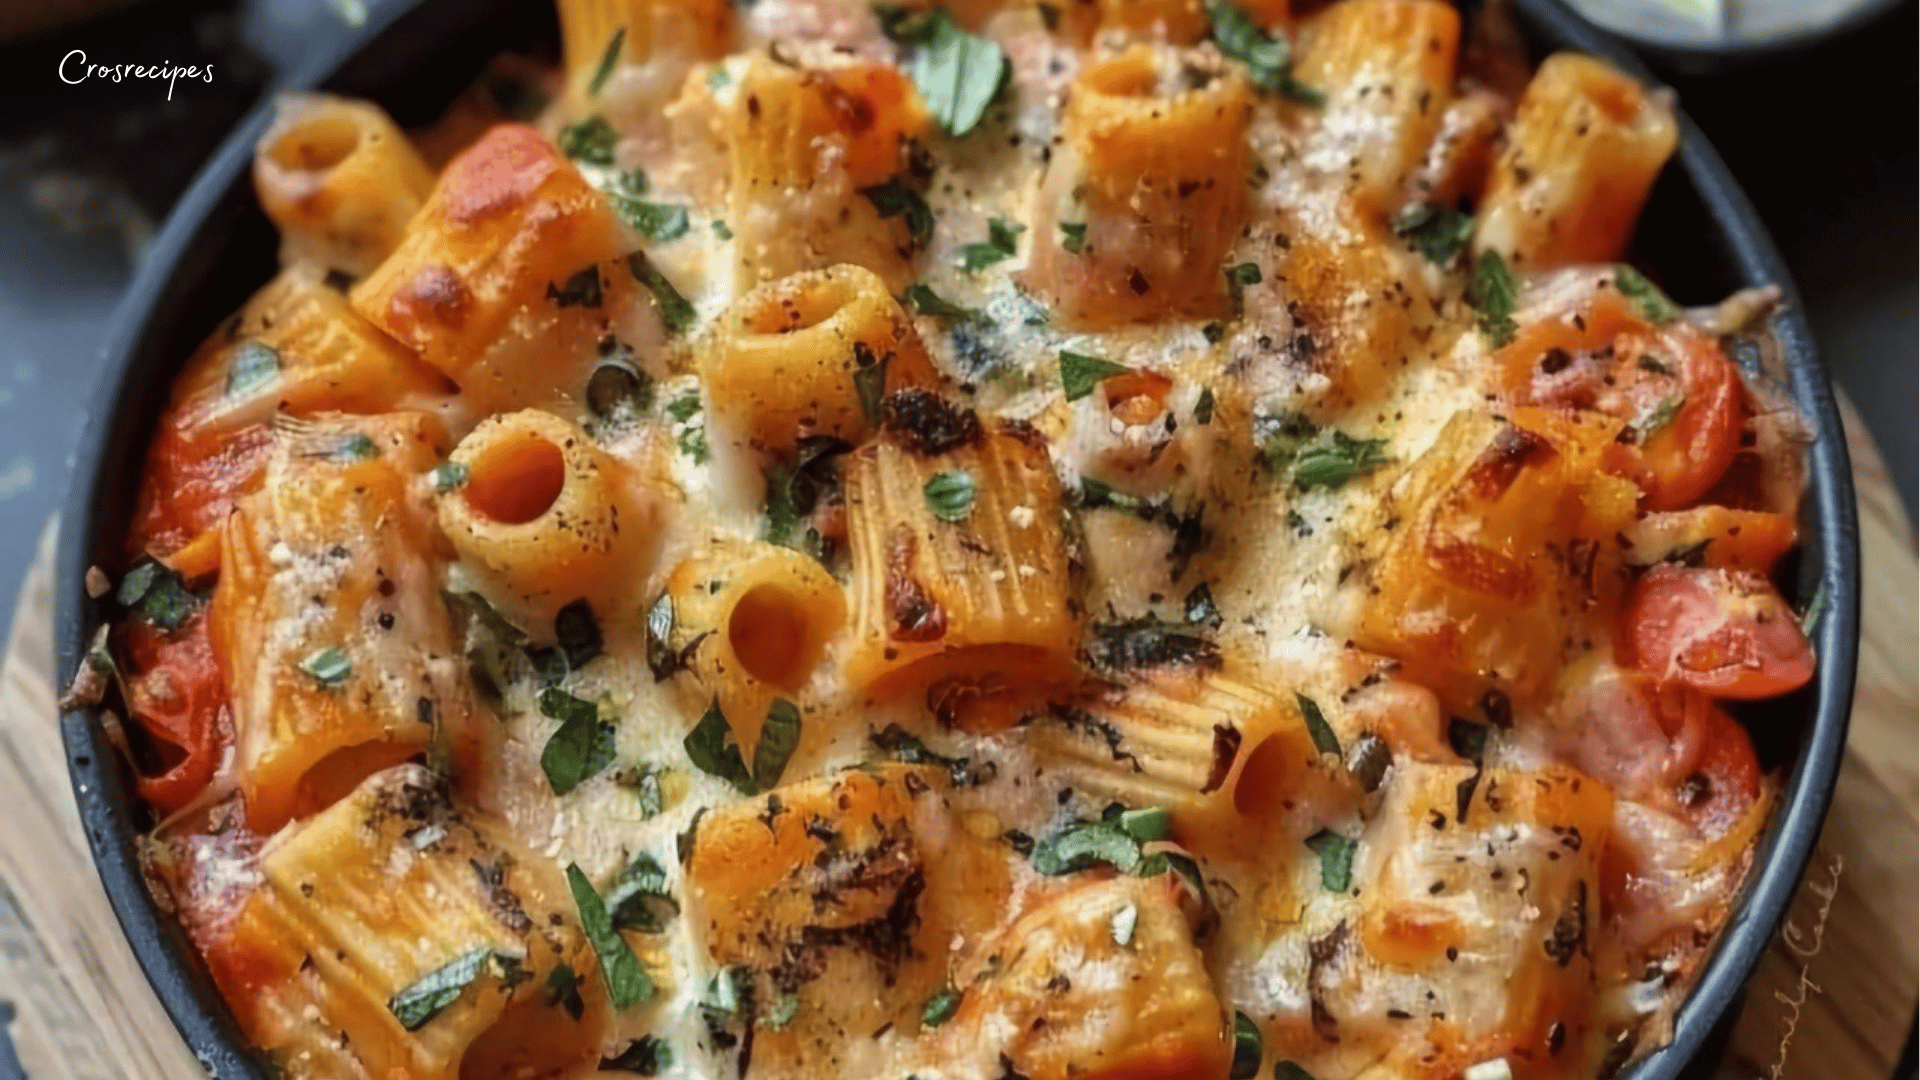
1823, 138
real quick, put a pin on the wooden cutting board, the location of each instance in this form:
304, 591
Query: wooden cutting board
1833, 999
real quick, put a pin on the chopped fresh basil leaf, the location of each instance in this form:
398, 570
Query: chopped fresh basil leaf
608, 61
1073, 237
580, 747
356, 446
950, 495
254, 363
676, 312
583, 289
659, 222
648, 1055
425, 998
941, 1006
563, 989
577, 632
958, 73
1248, 1049
662, 660
1003, 242
1336, 859
1653, 304
329, 666
1494, 294
693, 443
1437, 232
1080, 373
591, 140
1203, 407
1367, 761
779, 737
1181, 866
1331, 463
905, 25
449, 476
1085, 846
1145, 824
1148, 641
1238, 278
618, 385
924, 301
685, 406
711, 748
1281, 438
894, 199
1324, 740
627, 982
785, 1008
1269, 58
796, 487
639, 899
1122, 925
719, 227
631, 183
158, 594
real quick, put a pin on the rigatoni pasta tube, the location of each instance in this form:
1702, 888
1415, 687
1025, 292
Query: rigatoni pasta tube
545, 511
511, 227
323, 959
756, 617
327, 622
1141, 205
790, 358
1582, 153
1386, 69
1217, 751
805, 144
340, 179
295, 347
974, 611
693, 29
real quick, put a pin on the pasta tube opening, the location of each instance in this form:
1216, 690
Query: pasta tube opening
516, 479
340, 179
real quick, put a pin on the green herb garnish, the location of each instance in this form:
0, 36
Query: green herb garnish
1073, 237
1324, 740
895, 199
922, 300
1648, 299
1003, 242
580, 747
676, 313
1269, 58
1336, 859
428, 996
950, 495
941, 1006
1080, 373
329, 666
1333, 462
608, 61
591, 140
1248, 1048
1494, 294
659, 222
254, 363
711, 748
958, 73
779, 738
627, 982
1437, 232
156, 593
639, 899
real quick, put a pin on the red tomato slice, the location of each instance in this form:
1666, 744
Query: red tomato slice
1725, 633
1678, 393
1726, 776
177, 697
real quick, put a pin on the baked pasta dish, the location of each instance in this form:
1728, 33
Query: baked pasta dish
1081, 540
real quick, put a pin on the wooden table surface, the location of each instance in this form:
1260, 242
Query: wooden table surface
1832, 1000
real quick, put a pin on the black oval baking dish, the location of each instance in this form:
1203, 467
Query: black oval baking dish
1699, 235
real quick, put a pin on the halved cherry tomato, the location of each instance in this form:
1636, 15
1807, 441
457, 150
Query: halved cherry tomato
1726, 633
1676, 390
177, 697
1726, 776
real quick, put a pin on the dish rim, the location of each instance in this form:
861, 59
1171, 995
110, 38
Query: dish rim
117, 413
